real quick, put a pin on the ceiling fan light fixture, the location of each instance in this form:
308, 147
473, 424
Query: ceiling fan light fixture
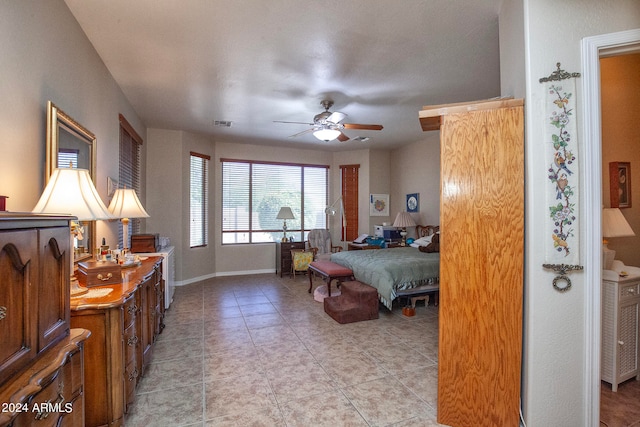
326, 134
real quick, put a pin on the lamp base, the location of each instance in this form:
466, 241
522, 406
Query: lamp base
608, 255
76, 289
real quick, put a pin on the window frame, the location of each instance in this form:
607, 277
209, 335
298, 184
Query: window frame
299, 233
203, 208
129, 169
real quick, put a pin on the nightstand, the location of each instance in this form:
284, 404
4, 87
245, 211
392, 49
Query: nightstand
283, 255
620, 311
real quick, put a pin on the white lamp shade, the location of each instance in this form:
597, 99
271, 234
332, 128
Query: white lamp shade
125, 204
71, 191
285, 213
404, 220
326, 134
614, 224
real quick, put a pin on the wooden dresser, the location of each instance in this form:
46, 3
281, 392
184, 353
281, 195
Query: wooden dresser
124, 320
41, 359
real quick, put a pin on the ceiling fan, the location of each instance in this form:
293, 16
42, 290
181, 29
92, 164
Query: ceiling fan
326, 126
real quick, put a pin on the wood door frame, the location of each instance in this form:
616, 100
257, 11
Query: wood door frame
592, 49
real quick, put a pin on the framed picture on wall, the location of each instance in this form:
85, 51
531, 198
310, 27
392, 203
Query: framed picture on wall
379, 205
620, 184
413, 202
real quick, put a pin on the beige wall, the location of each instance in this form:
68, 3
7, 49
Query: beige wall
555, 333
46, 56
417, 170
620, 77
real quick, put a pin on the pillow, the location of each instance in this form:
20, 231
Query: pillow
434, 246
423, 241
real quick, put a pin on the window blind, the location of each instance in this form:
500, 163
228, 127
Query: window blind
199, 179
129, 168
253, 193
349, 176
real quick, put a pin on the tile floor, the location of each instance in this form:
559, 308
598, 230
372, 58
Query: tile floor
259, 351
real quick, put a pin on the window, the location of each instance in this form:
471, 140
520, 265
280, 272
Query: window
129, 169
350, 198
198, 229
253, 193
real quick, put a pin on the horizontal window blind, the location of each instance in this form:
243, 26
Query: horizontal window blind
129, 169
198, 228
253, 193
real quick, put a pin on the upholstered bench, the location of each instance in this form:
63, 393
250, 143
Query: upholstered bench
356, 303
329, 271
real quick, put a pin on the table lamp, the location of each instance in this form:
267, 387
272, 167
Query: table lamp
404, 220
71, 191
614, 224
285, 214
125, 205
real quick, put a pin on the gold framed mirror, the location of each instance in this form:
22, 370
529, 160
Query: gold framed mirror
69, 144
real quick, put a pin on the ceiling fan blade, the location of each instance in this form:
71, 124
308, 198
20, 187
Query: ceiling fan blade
336, 116
298, 123
361, 127
301, 133
342, 137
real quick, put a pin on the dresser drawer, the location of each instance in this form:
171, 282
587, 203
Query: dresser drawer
131, 343
130, 311
56, 399
629, 291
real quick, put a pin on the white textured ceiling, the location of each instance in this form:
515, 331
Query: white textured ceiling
185, 63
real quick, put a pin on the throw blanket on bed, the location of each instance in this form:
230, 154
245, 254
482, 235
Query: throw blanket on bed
391, 270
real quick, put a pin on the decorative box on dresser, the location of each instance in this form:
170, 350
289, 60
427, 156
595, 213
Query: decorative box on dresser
620, 312
283, 255
41, 358
125, 320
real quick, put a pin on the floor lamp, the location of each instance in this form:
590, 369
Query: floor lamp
71, 191
126, 205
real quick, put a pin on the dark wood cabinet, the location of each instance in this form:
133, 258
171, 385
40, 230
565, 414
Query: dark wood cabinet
41, 358
283, 256
34, 287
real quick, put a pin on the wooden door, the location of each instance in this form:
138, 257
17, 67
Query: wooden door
481, 271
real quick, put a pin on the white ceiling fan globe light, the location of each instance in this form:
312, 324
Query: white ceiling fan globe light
326, 134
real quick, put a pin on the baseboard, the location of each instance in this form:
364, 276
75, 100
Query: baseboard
222, 274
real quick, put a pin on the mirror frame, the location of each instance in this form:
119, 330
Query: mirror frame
57, 120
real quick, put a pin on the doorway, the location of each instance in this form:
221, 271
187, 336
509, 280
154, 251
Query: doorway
592, 49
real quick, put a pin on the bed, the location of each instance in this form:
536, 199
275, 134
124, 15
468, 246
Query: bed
395, 272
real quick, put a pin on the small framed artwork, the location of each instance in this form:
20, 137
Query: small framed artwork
379, 205
620, 184
413, 202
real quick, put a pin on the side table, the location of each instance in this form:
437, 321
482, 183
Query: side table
283, 255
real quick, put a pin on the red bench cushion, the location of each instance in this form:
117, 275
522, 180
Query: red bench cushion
331, 268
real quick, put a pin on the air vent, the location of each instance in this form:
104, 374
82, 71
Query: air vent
361, 138
222, 123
